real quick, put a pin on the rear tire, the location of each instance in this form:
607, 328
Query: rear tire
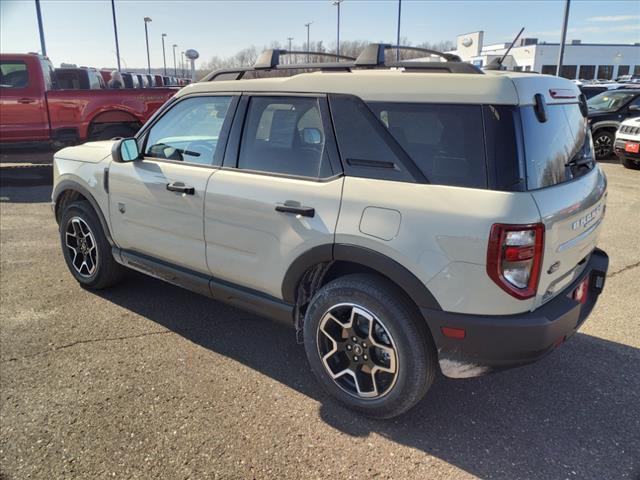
628, 163
365, 324
86, 249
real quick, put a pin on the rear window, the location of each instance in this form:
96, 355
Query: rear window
445, 141
557, 150
13, 74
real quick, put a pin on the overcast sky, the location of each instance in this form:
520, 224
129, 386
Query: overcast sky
81, 31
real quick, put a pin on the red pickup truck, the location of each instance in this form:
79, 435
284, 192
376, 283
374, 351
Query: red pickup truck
34, 111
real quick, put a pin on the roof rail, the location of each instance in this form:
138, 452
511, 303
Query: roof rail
373, 54
271, 58
371, 57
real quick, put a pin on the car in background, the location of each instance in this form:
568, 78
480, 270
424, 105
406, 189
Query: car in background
35, 111
606, 112
143, 81
631, 78
592, 89
130, 80
79, 79
627, 144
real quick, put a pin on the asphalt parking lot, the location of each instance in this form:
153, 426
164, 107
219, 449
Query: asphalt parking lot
147, 380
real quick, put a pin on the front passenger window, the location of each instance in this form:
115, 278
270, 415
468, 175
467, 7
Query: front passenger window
189, 131
284, 135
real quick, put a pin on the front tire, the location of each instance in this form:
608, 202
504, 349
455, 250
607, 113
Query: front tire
368, 347
603, 144
85, 247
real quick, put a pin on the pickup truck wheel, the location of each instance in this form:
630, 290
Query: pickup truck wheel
368, 347
85, 248
628, 163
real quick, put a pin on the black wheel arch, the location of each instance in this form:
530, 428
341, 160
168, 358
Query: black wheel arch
68, 191
344, 257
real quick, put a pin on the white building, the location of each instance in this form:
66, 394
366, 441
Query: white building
581, 60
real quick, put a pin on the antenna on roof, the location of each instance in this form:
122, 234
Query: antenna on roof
497, 64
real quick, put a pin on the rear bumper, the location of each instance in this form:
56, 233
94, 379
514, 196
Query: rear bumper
496, 342
618, 148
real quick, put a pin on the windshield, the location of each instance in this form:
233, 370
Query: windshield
609, 101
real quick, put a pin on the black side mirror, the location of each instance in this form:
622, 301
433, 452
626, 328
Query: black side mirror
125, 150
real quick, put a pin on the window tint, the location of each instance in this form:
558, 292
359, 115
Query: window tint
13, 74
557, 150
361, 140
284, 135
446, 142
505, 169
189, 131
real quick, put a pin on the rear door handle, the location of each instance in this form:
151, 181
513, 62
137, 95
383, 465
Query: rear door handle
181, 188
26, 100
291, 206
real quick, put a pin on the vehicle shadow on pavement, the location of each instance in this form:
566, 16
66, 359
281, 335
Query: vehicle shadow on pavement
575, 414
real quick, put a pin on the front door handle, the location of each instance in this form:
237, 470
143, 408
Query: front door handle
181, 188
291, 206
26, 100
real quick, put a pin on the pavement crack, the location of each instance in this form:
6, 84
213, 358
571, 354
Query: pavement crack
624, 269
90, 340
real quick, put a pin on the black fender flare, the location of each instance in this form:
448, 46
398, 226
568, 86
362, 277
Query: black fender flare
604, 124
65, 185
366, 257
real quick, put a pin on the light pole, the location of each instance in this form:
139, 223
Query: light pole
337, 4
115, 31
164, 57
146, 36
289, 57
182, 63
308, 25
564, 37
43, 47
175, 69
398, 36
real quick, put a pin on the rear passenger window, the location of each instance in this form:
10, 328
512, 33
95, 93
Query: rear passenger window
284, 135
13, 74
446, 142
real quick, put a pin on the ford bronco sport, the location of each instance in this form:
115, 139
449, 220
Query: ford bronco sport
405, 218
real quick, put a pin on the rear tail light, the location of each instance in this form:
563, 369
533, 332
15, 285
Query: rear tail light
514, 258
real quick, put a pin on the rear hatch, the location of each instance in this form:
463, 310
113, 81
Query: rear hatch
566, 183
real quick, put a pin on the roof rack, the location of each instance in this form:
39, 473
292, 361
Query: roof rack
373, 54
371, 57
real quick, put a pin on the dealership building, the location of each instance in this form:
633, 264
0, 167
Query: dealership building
581, 60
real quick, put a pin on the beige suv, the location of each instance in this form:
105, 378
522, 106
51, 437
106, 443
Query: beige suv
404, 218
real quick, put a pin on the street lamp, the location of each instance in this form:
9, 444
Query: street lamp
164, 57
289, 38
398, 36
308, 25
115, 31
182, 63
146, 36
175, 69
337, 4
